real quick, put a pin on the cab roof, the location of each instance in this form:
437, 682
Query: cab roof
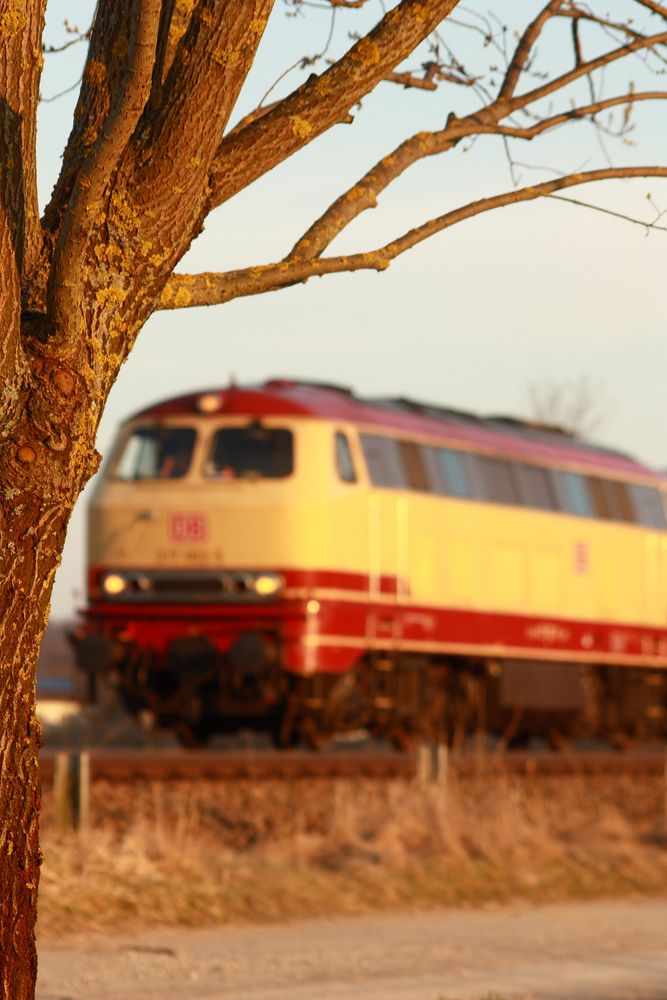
509, 436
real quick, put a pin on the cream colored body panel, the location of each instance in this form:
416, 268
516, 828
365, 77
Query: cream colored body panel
443, 552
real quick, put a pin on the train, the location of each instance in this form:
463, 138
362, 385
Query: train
293, 558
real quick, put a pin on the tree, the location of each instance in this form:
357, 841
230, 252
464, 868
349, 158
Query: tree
150, 155
577, 406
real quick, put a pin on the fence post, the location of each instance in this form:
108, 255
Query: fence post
71, 791
433, 764
442, 767
83, 787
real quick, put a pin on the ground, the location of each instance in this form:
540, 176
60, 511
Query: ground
611, 950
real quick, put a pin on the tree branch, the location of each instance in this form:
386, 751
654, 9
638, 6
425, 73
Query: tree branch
20, 46
363, 195
525, 47
189, 290
161, 67
609, 211
420, 233
106, 66
20, 237
322, 101
572, 114
653, 5
102, 158
209, 68
584, 69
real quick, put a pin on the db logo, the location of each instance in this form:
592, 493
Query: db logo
581, 558
188, 528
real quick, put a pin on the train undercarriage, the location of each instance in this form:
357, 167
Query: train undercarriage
405, 698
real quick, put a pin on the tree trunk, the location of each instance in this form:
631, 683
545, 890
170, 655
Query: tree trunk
46, 456
32, 534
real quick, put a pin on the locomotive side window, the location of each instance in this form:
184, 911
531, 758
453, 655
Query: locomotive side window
383, 460
648, 506
454, 472
253, 450
497, 480
414, 465
156, 453
611, 500
344, 461
574, 494
535, 486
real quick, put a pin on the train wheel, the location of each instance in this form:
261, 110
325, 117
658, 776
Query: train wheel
401, 738
559, 741
312, 735
284, 734
192, 735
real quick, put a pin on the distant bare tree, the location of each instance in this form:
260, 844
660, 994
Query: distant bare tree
577, 405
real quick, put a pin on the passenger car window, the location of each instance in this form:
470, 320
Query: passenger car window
344, 462
648, 506
535, 486
611, 499
156, 452
383, 460
253, 450
574, 494
497, 480
454, 472
414, 465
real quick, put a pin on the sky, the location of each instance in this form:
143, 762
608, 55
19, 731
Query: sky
537, 293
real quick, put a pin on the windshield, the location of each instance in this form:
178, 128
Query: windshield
254, 450
156, 453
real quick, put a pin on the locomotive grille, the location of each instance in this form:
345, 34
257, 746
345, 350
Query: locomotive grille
188, 586
193, 585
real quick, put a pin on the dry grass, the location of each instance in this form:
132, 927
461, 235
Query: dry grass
209, 853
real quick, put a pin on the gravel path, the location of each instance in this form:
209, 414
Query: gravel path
583, 951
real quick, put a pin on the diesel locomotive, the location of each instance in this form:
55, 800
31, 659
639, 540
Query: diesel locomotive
296, 559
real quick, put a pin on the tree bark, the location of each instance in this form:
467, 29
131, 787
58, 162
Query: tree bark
26, 573
46, 457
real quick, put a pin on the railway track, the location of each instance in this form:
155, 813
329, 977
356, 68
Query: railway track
123, 765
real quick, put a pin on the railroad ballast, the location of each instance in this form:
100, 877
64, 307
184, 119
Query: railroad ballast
294, 558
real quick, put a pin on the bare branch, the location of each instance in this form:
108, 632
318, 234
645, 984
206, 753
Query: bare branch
20, 45
648, 226
20, 233
524, 48
586, 69
433, 74
188, 290
102, 80
209, 68
54, 49
164, 33
572, 114
363, 195
653, 5
102, 159
577, 406
323, 101
412, 80
437, 225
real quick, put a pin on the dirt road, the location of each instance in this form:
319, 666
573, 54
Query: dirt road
585, 951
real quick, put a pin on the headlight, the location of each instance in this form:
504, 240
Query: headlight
267, 584
114, 584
